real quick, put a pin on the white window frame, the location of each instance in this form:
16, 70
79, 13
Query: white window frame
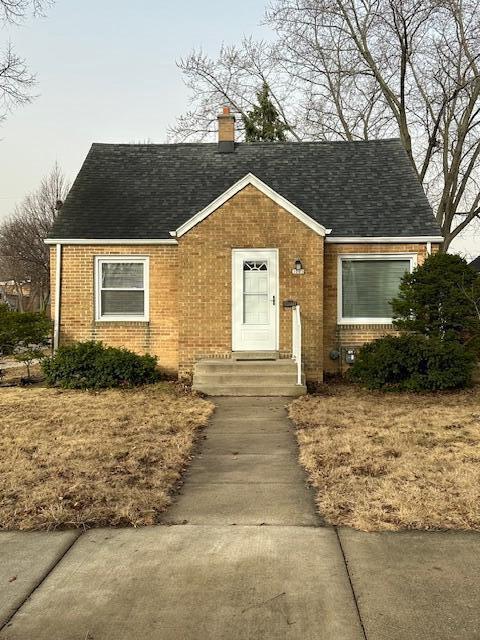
412, 257
99, 261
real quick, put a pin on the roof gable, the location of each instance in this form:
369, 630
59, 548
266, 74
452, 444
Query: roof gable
250, 179
475, 264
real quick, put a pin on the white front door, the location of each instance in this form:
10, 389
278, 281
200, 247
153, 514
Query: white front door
255, 300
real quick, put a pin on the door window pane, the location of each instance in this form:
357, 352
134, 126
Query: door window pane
255, 293
255, 265
369, 285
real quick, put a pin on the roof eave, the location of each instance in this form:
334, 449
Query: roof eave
383, 239
110, 241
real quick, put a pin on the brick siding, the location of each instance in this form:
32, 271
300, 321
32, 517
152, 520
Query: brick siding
191, 288
248, 220
158, 337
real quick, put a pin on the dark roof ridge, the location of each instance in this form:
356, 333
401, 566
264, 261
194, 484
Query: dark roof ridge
243, 143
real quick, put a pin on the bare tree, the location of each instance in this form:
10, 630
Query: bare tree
358, 69
24, 257
16, 82
234, 78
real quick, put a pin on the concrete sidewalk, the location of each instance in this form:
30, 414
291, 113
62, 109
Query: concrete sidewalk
26, 559
197, 583
416, 585
248, 562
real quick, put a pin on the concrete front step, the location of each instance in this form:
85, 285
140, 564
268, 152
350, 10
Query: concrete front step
291, 390
262, 379
247, 378
245, 366
255, 355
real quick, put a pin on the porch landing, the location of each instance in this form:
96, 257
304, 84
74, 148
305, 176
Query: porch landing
248, 374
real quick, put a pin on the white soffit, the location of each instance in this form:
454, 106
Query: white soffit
383, 239
110, 241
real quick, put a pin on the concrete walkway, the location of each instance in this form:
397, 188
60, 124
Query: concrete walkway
246, 471
244, 558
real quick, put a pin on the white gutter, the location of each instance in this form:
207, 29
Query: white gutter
109, 241
382, 240
172, 241
58, 285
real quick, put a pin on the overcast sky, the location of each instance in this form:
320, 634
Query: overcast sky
106, 73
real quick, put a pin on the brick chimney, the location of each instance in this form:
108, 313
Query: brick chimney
226, 131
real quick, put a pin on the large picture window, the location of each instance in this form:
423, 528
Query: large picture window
367, 284
121, 288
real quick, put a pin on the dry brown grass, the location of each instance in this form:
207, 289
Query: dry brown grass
78, 458
392, 461
13, 375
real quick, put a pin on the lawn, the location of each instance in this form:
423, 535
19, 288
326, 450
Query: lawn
13, 375
392, 461
84, 459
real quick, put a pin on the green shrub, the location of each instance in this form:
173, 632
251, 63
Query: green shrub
22, 330
441, 298
6, 337
413, 362
92, 365
23, 335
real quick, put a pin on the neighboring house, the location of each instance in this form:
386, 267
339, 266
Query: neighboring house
16, 296
476, 264
196, 252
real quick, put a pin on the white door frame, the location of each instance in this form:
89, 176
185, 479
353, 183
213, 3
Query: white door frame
253, 254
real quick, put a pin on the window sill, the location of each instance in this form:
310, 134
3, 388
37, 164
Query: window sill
130, 323
357, 321
366, 325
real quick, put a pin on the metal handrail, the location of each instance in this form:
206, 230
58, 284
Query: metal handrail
297, 340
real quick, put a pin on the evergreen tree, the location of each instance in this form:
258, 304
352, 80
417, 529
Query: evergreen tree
263, 122
441, 298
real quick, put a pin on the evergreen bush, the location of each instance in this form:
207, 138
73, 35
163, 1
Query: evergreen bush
92, 365
413, 362
441, 298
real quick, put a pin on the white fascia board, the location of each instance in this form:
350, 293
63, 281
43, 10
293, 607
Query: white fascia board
110, 241
264, 188
384, 239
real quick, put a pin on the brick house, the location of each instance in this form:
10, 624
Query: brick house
251, 265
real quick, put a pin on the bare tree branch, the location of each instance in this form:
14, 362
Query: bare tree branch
16, 82
24, 257
361, 69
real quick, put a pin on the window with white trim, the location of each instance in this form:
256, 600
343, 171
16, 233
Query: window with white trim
121, 288
367, 284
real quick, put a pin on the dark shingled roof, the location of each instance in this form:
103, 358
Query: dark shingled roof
139, 191
476, 264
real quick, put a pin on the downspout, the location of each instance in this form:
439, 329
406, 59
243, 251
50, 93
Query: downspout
58, 285
429, 248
